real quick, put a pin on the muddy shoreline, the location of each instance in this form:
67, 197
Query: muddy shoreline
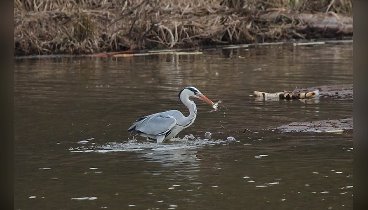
88, 27
187, 51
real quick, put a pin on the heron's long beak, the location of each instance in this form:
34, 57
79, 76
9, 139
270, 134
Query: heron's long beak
205, 99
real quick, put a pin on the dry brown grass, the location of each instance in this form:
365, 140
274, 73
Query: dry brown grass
90, 26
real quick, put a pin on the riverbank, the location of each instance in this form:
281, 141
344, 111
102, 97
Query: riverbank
89, 27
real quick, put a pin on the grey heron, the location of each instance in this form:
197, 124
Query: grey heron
166, 125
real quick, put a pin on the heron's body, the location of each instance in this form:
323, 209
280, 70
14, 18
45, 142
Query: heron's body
166, 125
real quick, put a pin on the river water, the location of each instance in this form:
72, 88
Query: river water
73, 151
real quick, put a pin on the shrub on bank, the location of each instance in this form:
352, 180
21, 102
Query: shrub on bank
91, 26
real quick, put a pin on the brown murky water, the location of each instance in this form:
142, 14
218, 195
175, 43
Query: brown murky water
73, 150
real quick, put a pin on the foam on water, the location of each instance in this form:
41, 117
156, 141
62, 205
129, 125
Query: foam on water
177, 151
135, 145
84, 198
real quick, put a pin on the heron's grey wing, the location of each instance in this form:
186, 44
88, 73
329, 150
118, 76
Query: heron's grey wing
174, 113
157, 124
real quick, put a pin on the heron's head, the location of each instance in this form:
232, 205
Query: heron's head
194, 92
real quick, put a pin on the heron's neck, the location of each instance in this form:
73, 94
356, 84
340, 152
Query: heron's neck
191, 106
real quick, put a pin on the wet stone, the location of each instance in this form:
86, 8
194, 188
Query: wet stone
328, 126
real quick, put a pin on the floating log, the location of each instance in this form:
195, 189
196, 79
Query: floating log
341, 91
286, 95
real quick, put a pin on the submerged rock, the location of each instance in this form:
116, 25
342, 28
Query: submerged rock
344, 91
327, 126
207, 135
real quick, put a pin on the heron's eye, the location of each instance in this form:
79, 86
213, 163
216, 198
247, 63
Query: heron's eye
194, 90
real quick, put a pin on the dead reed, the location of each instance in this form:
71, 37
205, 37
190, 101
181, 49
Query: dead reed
91, 26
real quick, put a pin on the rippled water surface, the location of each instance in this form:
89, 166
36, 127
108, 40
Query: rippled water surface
73, 150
